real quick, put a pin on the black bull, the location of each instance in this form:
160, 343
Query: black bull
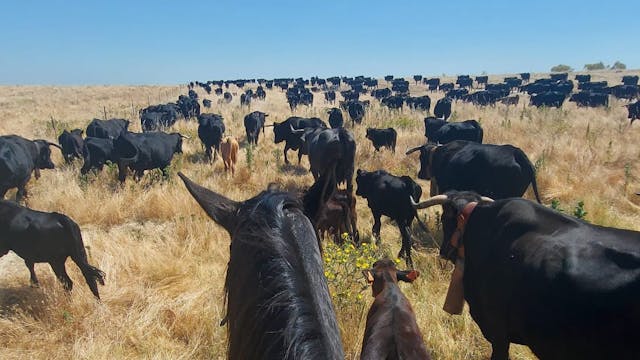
284, 131
19, 158
146, 151
332, 152
497, 171
39, 237
534, 276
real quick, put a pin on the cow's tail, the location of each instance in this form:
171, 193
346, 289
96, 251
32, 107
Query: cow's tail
91, 274
524, 162
424, 228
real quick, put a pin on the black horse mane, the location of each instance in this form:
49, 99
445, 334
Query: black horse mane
278, 304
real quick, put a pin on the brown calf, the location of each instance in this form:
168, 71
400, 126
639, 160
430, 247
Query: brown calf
229, 150
391, 331
338, 216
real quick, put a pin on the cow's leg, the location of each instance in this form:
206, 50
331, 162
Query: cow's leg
215, 152
500, 350
207, 151
3, 192
405, 250
32, 273
376, 227
61, 272
286, 161
300, 156
122, 172
21, 194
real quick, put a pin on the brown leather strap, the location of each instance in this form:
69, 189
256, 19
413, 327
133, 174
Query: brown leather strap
463, 217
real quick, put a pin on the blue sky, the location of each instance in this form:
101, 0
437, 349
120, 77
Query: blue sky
167, 42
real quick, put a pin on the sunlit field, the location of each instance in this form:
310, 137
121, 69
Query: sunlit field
165, 260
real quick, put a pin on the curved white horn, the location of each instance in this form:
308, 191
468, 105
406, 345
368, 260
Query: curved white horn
432, 201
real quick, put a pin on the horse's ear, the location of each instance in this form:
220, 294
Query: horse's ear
219, 208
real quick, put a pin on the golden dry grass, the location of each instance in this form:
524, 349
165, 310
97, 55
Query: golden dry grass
165, 260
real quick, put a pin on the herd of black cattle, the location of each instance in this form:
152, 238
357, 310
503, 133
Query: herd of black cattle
530, 275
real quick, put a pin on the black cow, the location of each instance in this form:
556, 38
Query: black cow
634, 111
559, 76
253, 122
537, 277
96, 152
146, 151
330, 96
511, 100
497, 171
189, 106
332, 152
548, 99
456, 93
628, 92
218, 91
206, 103
630, 79
419, 103
227, 97
393, 102
278, 304
19, 158
589, 99
442, 132
356, 111
442, 109
245, 100
482, 80
157, 117
380, 94
446, 87
284, 131
260, 93
335, 118
107, 129
597, 86
210, 131
391, 196
583, 78
525, 77
71, 143
382, 137
39, 237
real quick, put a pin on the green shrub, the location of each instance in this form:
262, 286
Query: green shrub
561, 68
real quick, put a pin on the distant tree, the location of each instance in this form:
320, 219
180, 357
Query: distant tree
596, 66
618, 66
561, 68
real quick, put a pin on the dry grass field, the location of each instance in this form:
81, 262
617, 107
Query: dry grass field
165, 260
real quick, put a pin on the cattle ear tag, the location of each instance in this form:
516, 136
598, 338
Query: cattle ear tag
368, 275
413, 275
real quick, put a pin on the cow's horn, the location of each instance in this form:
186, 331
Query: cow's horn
185, 136
56, 145
412, 150
485, 198
432, 201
